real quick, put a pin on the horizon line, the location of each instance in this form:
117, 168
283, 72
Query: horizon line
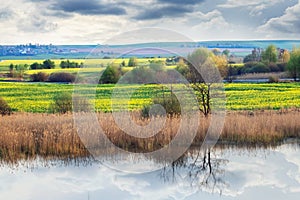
199, 41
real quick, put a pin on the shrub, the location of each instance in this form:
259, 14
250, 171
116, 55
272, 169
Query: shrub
145, 112
247, 67
62, 103
111, 74
4, 107
255, 67
169, 102
249, 58
274, 67
140, 75
133, 62
273, 79
282, 66
81, 104
260, 68
39, 77
62, 77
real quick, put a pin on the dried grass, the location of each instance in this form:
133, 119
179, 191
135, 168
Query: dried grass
24, 136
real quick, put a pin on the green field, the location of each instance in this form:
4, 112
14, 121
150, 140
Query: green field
36, 97
6, 63
90, 65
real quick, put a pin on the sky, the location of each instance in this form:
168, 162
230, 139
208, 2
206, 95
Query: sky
98, 21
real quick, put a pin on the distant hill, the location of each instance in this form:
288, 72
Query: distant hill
238, 48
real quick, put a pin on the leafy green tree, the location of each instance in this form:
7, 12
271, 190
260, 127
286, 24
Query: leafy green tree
226, 53
286, 56
270, 54
123, 63
48, 64
64, 64
183, 68
249, 58
133, 62
293, 65
11, 67
67, 64
231, 73
11, 71
35, 66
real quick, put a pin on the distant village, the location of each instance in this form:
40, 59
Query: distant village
32, 50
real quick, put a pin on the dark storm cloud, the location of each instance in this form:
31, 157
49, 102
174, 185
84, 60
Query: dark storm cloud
166, 11
90, 7
182, 2
168, 8
83, 7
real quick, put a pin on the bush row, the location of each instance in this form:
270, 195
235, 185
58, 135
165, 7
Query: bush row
63, 77
256, 67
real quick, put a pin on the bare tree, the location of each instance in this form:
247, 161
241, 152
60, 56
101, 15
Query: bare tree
202, 74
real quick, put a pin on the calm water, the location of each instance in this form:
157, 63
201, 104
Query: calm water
259, 173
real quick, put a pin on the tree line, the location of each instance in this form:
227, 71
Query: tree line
49, 64
272, 59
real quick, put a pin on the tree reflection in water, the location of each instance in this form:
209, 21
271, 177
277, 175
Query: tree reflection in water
198, 169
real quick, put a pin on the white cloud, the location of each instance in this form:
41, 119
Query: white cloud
239, 3
212, 19
255, 7
257, 10
286, 25
29, 24
208, 25
35, 21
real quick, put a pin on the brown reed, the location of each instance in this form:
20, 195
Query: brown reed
27, 135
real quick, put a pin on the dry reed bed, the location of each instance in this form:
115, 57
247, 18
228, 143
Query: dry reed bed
261, 127
24, 136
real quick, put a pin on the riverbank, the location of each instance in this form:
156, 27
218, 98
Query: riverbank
27, 135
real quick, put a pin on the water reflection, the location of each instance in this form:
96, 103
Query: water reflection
198, 169
235, 173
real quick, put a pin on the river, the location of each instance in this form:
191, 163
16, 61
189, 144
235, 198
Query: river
235, 173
